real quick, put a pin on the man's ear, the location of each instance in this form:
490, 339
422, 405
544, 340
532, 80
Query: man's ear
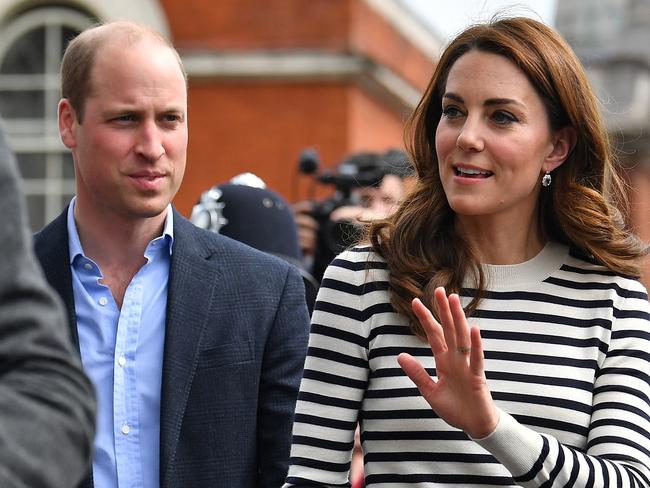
67, 123
564, 140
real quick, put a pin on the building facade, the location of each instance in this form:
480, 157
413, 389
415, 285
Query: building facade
266, 80
611, 37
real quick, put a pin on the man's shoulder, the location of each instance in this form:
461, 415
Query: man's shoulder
53, 237
57, 226
216, 246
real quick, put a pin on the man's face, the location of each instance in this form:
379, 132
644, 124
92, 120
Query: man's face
131, 148
384, 199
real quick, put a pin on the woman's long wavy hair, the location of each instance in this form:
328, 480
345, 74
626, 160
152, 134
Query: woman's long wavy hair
420, 243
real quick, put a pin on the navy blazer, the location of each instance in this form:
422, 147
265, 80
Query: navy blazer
236, 338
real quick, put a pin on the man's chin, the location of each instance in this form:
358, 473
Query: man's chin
146, 210
152, 212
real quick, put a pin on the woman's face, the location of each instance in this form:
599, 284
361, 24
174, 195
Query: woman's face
493, 141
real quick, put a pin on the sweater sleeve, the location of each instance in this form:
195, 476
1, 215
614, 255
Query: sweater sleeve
618, 444
334, 380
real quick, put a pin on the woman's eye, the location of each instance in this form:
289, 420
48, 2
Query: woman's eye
451, 111
501, 117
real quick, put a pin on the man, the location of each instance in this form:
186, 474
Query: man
374, 184
46, 401
195, 342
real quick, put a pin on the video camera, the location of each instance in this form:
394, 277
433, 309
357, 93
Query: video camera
363, 169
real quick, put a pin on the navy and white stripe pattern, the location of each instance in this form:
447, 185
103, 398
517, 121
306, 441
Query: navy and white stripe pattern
567, 358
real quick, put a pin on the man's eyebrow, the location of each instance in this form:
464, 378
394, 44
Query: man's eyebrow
173, 111
129, 109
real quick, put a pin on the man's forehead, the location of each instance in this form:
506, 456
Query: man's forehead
115, 48
150, 51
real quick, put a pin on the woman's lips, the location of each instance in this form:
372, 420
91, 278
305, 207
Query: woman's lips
471, 172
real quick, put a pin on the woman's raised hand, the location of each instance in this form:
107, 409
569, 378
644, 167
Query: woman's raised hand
459, 395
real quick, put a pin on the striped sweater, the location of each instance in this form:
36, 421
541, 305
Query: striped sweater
567, 359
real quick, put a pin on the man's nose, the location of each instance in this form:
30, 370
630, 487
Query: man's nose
150, 142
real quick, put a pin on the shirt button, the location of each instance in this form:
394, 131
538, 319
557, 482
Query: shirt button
125, 429
121, 360
103, 301
88, 266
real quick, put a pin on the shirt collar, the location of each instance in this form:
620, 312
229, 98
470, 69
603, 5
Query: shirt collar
73, 234
168, 228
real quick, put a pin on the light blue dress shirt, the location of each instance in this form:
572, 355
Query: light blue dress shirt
122, 353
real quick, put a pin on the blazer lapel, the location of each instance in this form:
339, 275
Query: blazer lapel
52, 250
191, 286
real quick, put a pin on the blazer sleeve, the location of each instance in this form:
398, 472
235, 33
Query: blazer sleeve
46, 402
281, 374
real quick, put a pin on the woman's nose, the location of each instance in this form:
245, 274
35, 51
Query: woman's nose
470, 137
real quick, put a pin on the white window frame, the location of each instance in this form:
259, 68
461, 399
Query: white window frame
40, 135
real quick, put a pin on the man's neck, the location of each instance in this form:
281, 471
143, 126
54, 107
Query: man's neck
117, 244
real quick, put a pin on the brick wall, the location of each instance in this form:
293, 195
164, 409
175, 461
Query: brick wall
260, 124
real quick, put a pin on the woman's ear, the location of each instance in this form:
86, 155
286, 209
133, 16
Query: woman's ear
564, 140
67, 123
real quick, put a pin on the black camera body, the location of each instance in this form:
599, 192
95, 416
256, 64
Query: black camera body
358, 170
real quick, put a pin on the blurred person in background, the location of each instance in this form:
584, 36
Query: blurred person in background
369, 186
47, 407
246, 210
505, 287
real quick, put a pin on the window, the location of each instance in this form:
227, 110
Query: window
31, 47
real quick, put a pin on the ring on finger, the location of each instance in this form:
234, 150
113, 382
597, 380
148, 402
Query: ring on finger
463, 350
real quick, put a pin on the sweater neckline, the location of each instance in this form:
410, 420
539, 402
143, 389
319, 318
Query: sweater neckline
535, 270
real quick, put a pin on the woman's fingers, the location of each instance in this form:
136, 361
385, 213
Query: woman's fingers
418, 374
476, 355
446, 318
452, 333
460, 394
431, 327
461, 329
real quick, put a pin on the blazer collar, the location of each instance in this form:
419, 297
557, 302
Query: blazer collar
51, 248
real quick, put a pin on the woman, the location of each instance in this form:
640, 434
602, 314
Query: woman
513, 218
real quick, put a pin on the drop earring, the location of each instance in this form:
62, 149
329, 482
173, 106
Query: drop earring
546, 180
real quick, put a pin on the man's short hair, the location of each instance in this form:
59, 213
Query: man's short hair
81, 52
